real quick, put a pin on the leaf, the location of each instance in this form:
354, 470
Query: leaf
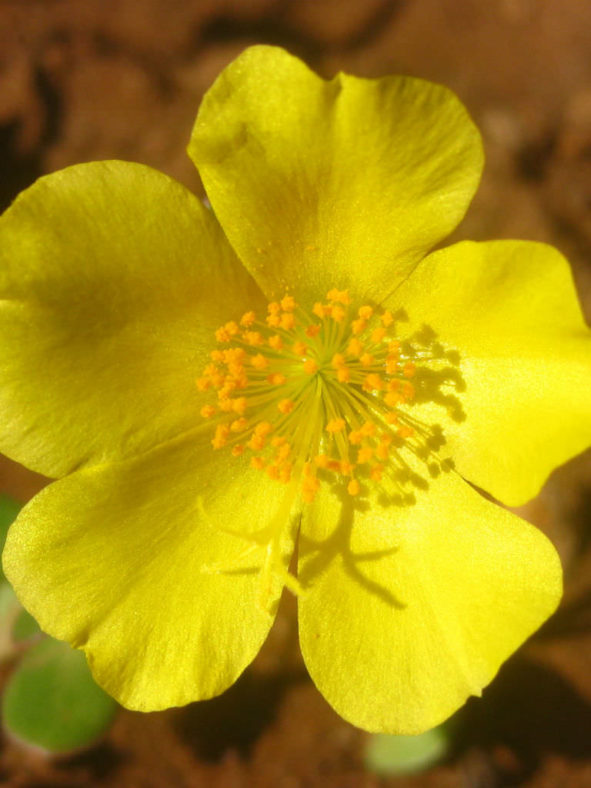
9, 508
397, 755
51, 700
25, 627
10, 609
16, 625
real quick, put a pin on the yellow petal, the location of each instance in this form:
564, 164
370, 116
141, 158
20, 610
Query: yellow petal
343, 183
134, 563
510, 308
408, 611
113, 278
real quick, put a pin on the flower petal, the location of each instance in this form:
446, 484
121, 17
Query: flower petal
332, 184
510, 308
408, 611
134, 563
112, 278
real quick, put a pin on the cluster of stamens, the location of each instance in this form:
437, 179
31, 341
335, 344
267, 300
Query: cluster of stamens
320, 396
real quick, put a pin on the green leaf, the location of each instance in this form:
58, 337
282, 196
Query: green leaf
16, 625
25, 627
10, 609
9, 508
51, 700
397, 755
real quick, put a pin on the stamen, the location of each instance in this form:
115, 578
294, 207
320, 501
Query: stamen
325, 397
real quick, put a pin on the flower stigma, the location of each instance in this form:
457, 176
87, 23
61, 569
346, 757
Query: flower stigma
327, 395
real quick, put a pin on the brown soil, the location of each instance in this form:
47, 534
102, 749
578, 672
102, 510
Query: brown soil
90, 79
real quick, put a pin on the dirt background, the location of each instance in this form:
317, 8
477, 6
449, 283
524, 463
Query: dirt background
91, 79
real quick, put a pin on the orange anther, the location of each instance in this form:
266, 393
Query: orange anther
382, 452
408, 390
353, 488
368, 429
276, 379
239, 405
357, 326
343, 375
405, 431
391, 363
392, 398
253, 338
313, 331
275, 342
367, 359
378, 334
222, 335
234, 355
364, 454
373, 382
284, 451
310, 487
227, 388
285, 473
376, 473
274, 321
263, 428
299, 348
354, 348
339, 296
274, 308
247, 319
409, 369
287, 321
221, 436
338, 314
237, 450
335, 425
258, 463
387, 318
320, 310
288, 303
207, 411
286, 406
239, 424
310, 366
259, 361
236, 372
365, 312
256, 442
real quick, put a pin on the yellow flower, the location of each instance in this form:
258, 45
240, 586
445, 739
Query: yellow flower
212, 386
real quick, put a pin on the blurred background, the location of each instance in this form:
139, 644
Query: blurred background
93, 79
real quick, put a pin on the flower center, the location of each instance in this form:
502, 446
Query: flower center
328, 396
